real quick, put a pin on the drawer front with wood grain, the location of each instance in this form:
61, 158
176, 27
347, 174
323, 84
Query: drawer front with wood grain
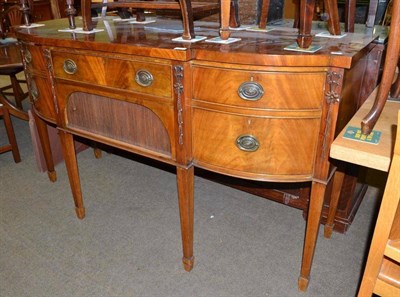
264, 148
127, 74
37, 76
259, 89
41, 97
34, 59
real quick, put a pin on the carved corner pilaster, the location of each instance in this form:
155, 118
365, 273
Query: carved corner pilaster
49, 65
334, 82
178, 88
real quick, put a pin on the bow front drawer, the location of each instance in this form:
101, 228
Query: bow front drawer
259, 89
34, 59
126, 74
264, 148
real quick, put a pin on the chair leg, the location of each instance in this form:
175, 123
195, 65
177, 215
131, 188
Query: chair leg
11, 135
264, 14
296, 22
333, 21
350, 14
373, 7
17, 90
304, 37
395, 89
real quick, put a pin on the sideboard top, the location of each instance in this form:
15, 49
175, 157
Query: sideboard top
155, 40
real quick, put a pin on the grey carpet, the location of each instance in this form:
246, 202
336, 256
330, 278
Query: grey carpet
129, 244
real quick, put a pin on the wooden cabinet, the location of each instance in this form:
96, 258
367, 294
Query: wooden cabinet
250, 110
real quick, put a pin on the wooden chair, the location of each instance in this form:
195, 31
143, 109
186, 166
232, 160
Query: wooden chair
382, 272
349, 19
13, 16
389, 71
305, 11
12, 145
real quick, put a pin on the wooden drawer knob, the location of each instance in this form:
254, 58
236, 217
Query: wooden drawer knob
247, 143
70, 66
144, 78
250, 91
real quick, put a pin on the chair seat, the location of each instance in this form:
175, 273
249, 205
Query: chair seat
11, 69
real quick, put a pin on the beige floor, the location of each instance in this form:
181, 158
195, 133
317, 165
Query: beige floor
129, 244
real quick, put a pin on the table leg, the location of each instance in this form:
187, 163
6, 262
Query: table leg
185, 181
304, 38
67, 143
313, 223
336, 190
46, 147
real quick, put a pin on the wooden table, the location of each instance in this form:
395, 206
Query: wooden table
250, 109
375, 156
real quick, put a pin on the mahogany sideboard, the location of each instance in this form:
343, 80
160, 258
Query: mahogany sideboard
249, 109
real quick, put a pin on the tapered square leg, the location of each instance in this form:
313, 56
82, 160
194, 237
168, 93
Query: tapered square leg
67, 142
185, 181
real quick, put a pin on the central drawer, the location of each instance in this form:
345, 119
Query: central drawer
126, 74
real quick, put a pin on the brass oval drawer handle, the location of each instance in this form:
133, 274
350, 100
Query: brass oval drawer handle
70, 66
250, 91
34, 91
27, 56
144, 78
247, 143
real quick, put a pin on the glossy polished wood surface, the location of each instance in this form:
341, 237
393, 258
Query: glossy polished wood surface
154, 41
249, 109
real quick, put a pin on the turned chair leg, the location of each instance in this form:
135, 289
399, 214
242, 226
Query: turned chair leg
395, 89
234, 19
304, 38
333, 20
264, 14
350, 15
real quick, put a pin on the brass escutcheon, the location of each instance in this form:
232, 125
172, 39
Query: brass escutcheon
250, 90
70, 66
247, 143
144, 78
